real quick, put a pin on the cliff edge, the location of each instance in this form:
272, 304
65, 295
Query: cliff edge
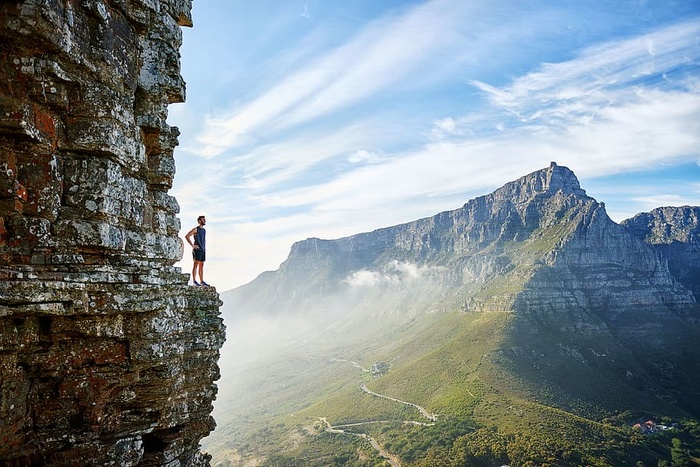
107, 357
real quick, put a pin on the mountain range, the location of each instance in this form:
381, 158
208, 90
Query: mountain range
538, 243
526, 305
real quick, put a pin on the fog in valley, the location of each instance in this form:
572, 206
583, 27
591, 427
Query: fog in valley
270, 358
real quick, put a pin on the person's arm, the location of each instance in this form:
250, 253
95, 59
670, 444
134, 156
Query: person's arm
190, 234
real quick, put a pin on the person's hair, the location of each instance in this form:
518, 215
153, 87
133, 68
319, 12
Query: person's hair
200, 218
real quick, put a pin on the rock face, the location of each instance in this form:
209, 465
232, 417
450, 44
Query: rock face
538, 244
675, 232
106, 356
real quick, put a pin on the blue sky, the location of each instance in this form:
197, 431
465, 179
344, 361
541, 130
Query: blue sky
326, 118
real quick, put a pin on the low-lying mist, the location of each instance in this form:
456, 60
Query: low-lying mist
263, 352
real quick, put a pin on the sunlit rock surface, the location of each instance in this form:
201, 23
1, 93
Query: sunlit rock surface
107, 357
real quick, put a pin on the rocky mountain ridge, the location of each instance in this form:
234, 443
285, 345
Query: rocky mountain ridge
675, 233
537, 244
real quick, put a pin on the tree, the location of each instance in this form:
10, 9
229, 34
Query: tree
679, 457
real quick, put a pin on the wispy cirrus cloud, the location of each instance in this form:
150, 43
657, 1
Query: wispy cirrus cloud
656, 126
383, 53
278, 161
603, 76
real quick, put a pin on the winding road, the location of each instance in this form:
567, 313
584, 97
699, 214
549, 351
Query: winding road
393, 460
425, 413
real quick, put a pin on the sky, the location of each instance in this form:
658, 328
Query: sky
327, 118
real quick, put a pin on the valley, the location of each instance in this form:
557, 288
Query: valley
287, 415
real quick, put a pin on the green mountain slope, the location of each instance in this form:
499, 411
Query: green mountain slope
490, 383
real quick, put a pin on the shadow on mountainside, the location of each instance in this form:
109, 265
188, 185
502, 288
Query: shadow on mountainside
643, 362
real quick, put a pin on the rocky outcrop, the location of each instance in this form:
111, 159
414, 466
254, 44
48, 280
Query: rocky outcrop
537, 244
675, 233
106, 356
597, 265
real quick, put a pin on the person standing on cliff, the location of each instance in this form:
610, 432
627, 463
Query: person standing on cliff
197, 238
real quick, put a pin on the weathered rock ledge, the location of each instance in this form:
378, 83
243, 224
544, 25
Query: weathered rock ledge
107, 357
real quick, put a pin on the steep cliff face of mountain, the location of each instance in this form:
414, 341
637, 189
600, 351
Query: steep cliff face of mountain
536, 244
106, 356
675, 232
600, 266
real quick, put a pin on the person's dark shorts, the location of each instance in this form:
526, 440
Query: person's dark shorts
198, 254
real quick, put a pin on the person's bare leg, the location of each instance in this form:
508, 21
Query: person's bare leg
194, 270
200, 270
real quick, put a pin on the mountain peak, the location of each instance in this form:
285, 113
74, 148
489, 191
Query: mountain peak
561, 178
547, 181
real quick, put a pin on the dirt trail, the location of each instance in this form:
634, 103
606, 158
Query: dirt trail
393, 460
425, 413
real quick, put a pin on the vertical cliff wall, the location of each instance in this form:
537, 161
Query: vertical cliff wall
106, 356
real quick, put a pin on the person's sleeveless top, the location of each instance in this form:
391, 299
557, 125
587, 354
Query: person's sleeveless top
200, 238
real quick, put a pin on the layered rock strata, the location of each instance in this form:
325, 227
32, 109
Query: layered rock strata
538, 244
675, 232
106, 356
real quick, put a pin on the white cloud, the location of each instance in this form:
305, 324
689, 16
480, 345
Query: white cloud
592, 78
659, 200
652, 127
276, 162
363, 156
385, 52
563, 115
394, 273
366, 279
445, 127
